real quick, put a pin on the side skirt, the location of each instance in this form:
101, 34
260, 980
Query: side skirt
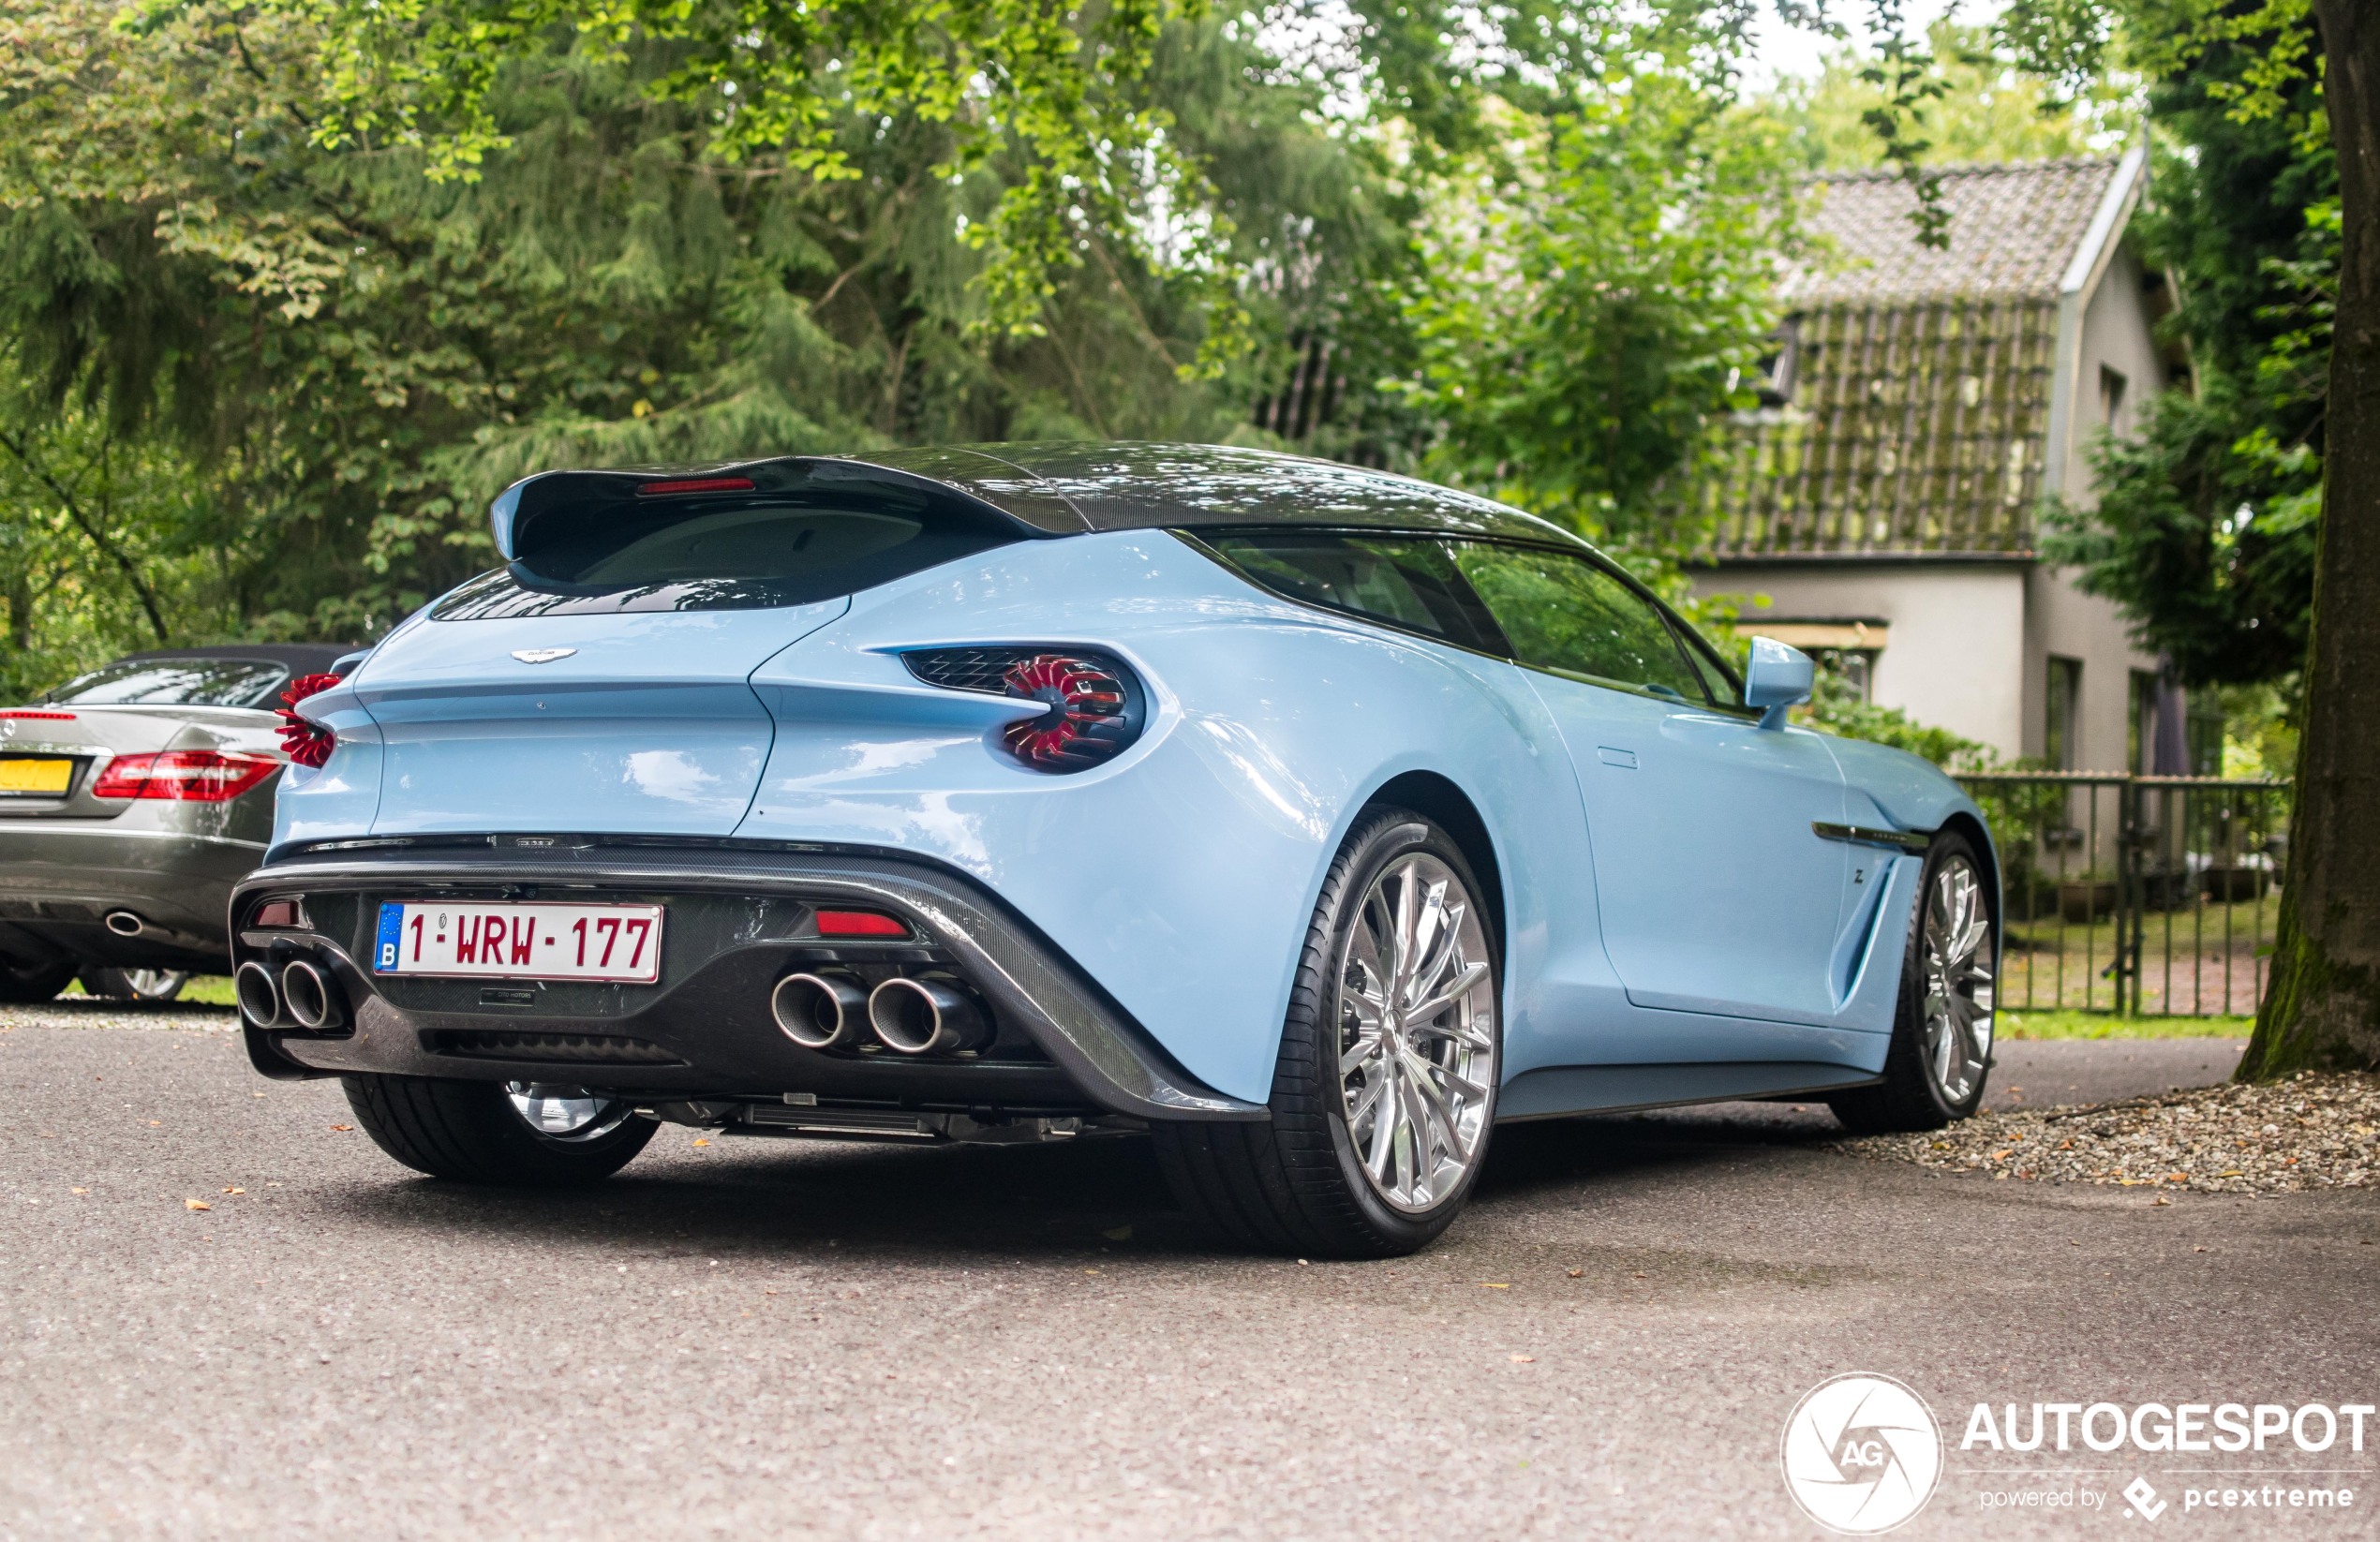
1556, 1090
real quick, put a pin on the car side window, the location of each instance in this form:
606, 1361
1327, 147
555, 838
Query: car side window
1723, 689
1409, 582
1566, 616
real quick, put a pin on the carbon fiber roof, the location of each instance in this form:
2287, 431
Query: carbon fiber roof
1073, 487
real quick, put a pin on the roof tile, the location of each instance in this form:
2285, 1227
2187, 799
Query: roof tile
2013, 227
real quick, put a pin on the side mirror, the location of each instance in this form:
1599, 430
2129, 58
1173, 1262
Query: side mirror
1776, 678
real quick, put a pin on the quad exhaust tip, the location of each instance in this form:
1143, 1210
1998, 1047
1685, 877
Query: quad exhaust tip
312, 1000
925, 1017
124, 923
817, 1011
260, 998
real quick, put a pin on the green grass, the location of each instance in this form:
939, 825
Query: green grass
207, 990
2102, 1025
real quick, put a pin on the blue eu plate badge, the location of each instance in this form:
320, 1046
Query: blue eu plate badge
391, 931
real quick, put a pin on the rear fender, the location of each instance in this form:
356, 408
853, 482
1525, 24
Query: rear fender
1182, 875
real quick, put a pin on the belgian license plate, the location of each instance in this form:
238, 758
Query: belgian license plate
520, 941
24, 777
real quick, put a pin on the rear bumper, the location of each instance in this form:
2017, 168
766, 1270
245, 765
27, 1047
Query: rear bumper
739, 919
59, 881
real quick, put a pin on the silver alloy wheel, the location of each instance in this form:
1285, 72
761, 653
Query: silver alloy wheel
1957, 958
156, 985
1416, 1011
566, 1112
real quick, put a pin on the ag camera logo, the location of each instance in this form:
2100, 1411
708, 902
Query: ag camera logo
1862, 1453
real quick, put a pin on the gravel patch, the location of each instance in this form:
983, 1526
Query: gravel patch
2310, 1132
151, 1016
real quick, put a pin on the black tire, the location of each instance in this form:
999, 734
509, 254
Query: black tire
135, 984
469, 1131
1909, 1098
23, 985
1296, 1184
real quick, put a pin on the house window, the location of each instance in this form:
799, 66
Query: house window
2064, 695
1775, 378
2111, 395
2140, 731
1854, 669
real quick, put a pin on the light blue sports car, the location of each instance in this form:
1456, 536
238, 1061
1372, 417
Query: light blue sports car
1310, 820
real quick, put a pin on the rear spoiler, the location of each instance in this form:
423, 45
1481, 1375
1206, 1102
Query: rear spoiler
518, 512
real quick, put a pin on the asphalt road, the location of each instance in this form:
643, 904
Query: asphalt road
762, 1338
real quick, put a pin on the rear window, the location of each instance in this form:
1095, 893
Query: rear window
1406, 580
818, 539
175, 682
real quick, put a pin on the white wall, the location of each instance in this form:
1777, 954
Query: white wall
2061, 619
2115, 333
1955, 658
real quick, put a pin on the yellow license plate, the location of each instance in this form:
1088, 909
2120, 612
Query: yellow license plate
49, 778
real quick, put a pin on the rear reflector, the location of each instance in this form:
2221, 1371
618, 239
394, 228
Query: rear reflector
45, 716
695, 485
275, 912
185, 776
858, 924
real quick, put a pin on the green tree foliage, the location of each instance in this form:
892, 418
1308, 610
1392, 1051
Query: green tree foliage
346, 356
330, 273
2206, 524
1597, 286
1987, 108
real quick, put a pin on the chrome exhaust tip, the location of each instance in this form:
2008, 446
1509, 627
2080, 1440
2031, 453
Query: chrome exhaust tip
260, 998
925, 1017
816, 1010
124, 923
313, 1001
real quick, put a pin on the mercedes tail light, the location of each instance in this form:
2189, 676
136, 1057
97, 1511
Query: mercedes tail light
1093, 704
306, 742
185, 776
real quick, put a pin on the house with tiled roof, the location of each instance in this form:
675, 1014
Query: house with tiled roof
1881, 507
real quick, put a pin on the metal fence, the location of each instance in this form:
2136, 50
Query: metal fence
2148, 895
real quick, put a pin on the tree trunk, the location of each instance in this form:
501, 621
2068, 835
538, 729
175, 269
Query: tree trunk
2323, 1006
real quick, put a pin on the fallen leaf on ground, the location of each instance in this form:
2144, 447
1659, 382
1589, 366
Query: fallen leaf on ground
81, 1191
342, 1129
1525, 1360
235, 1191
1578, 1274
700, 1142
157, 1124
1490, 1285
197, 1204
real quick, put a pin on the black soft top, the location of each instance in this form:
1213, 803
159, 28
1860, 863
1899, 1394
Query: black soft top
1061, 489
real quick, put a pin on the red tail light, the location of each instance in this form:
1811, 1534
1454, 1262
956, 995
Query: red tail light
185, 776
306, 742
1095, 704
695, 485
33, 712
1087, 722
858, 924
